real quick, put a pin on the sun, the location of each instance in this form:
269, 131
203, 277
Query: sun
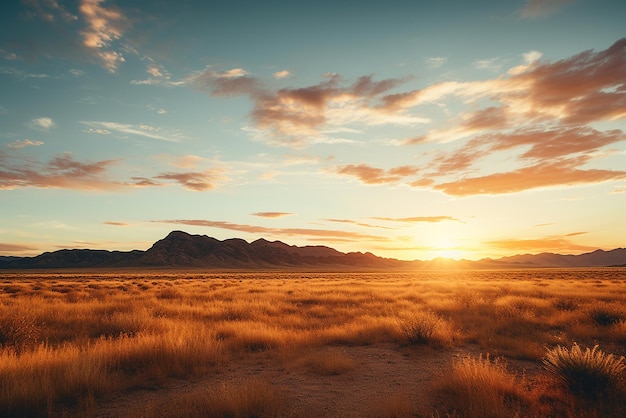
447, 248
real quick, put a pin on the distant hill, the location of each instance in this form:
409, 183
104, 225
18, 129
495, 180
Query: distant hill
182, 250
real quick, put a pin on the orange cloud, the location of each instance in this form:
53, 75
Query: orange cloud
60, 172
15, 248
416, 219
272, 214
115, 223
349, 221
545, 145
104, 26
198, 181
373, 175
545, 174
290, 232
556, 244
293, 116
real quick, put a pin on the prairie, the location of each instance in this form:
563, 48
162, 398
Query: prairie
313, 344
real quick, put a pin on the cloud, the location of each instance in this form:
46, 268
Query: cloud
374, 175
290, 232
535, 144
271, 214
558, 173
62, 171
105, 25
305, 115
42, 124
418, 219
199, 181
113, 223
436, 62
147, 131
350, 221
21, 143
535, 9
15, 248
281, 74
551, 244
48, 10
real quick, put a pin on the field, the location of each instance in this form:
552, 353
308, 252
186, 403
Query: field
314, 344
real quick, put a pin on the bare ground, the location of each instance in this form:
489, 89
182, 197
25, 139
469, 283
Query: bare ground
384, 376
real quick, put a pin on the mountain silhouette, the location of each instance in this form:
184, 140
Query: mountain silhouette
182, 250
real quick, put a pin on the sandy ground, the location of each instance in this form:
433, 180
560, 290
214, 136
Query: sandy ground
384, 375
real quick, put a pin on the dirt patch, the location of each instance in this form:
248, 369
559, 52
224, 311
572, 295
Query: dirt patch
383, 375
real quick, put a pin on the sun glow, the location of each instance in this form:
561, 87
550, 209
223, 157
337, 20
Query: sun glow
447, 248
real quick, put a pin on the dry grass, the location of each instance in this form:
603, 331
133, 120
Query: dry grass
72, 341
482, 387
591, 373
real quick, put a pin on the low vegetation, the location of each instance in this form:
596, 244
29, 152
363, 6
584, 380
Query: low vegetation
71, 344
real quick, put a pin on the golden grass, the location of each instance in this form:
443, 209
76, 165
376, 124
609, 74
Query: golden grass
70, 340
481, 388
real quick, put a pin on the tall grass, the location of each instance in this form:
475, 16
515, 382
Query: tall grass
73, 339
482, 387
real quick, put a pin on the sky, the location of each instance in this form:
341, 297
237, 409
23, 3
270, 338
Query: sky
409, 129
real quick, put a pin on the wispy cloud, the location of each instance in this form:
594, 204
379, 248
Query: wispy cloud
543, 244
199, 181
290, 232
113, 223
42, 124
357, 223
144, 130
62, 171
22, 143
271, 214
560, 173
419, 219
535, 9
300, 116
105, 25
6, 247
436, 62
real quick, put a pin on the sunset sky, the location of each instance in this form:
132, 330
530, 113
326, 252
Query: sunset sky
409, 129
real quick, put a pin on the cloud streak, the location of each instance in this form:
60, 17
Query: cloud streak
288, 232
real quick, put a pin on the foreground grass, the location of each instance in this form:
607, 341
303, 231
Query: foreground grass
70, 341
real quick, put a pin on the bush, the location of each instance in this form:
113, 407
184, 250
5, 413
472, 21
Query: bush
426, 328
588, 373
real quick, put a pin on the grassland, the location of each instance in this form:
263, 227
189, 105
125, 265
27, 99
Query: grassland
240, 344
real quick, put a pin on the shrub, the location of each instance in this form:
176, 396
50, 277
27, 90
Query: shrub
605, 316
19, 332
425, 328
481, 387
588, 373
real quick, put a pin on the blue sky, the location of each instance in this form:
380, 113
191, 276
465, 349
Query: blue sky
409, 129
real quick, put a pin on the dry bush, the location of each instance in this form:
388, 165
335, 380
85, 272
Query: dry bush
606, 315
481, 388
426, 328
19, 332
590, 373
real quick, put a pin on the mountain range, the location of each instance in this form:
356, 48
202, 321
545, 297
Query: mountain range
182, 250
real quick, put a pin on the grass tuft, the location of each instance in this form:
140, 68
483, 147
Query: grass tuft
589, 373
482, 387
